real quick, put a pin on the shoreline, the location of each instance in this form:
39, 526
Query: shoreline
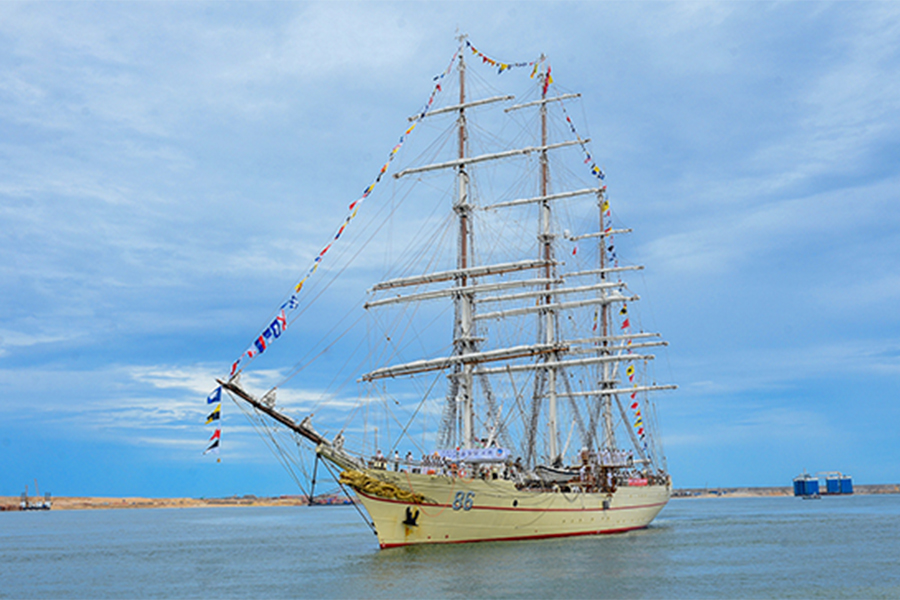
762, 492
11, 503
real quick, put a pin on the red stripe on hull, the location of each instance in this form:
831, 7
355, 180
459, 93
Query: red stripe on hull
518, 538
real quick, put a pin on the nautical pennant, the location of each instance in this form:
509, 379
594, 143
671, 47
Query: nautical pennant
638, 418
215, 415
501, 66
215, 396
588, 159
214, 447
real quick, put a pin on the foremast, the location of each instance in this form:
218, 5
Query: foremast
464, 303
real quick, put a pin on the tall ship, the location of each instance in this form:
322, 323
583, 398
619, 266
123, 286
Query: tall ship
505, 382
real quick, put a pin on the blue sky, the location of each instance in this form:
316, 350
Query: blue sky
168, 171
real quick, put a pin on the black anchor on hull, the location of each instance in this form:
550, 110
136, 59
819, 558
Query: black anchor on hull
411, 518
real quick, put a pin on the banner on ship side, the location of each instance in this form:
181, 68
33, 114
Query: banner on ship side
476, 455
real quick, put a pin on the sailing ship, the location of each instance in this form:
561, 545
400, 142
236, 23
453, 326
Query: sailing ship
535, 405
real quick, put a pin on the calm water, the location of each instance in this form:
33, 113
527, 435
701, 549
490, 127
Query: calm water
734, 547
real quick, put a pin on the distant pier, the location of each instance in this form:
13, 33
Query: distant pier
825, 483
761, 492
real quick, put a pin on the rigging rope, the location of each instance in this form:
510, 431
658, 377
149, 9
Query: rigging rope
337, 478
276, 327
262, 428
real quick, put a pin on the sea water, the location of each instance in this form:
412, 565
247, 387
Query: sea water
838, 547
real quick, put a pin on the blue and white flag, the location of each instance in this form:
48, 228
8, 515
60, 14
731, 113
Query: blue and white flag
216, 396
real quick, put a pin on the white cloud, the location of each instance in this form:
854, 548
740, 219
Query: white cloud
787, 366
13, 340
765, 228
198, 380
755, 427
370, 37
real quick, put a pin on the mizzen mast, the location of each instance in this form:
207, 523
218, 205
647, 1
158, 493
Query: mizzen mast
609, 434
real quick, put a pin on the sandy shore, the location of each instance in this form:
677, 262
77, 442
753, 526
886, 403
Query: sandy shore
86, 503
82, 503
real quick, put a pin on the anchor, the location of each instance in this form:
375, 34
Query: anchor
411, 518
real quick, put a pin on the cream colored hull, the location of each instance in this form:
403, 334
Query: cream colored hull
470, 510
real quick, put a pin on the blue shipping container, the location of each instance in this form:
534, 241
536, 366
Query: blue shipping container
846, 485
806, 485
832, 485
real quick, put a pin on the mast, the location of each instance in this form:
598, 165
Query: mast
464, 300
546, 241
609, 435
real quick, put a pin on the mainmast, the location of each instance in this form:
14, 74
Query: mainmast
546, 241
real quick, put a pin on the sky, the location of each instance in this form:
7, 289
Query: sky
169, 170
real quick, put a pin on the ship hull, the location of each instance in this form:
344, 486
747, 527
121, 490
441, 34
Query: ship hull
461, 510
